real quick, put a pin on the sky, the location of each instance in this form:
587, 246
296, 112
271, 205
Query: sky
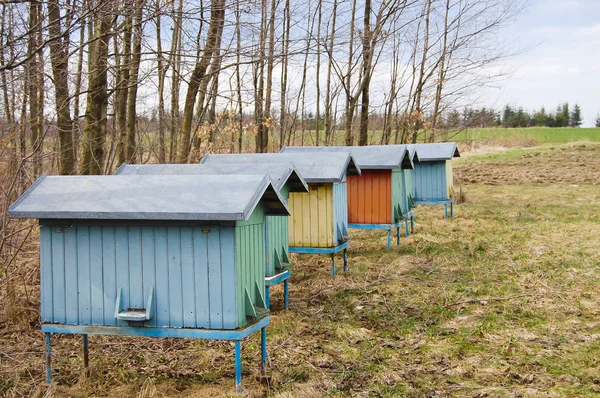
560, 58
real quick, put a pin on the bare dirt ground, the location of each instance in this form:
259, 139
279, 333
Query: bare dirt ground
503, 300
565, 164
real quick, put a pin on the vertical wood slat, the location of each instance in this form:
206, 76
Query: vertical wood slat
83, 275
72, 299
201, 278
58, 275
109, 277
188, 277
97, 285
214, 280
162, 276
149, 268
175, 299
46, 273
122, 266
136, 286
228, 276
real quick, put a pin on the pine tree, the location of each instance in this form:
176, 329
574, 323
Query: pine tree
576, 116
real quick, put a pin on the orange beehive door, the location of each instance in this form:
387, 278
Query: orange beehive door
370, 197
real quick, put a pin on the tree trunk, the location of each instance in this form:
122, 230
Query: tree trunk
59, 58
317, 77
175, 62
284, 72
259, 117
366, 70
217, 14
350, 102
94, 123
328, 100
420, 83
136, 55
162, 152
123, 66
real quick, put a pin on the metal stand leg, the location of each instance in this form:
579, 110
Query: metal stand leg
268, 297
86, 357
407, 234
412, 224
333, 264
446, 210
451, 209
48, 361
389, 239
345, 260
286, 294
238, 367
263, 347
398, 236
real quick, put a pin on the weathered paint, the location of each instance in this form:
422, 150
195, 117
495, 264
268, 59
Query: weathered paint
340, 206
250, 261
449, 178
370, 197
277, 239
429, 179
198, 273
312, 218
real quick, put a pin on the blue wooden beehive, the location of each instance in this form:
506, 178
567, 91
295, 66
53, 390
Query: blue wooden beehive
319, 220
286, 179
159, 256
432, 177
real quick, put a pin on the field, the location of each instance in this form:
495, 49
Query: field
503, 300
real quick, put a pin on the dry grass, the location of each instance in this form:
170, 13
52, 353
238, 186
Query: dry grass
501, 300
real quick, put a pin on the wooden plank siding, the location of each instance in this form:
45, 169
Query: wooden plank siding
429, 179
197, 271
250, 261
370, 197
312, 218
340, 212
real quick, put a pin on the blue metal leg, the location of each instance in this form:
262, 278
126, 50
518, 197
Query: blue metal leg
263, 347
268, 297
86, 358
333, 264
238, 367
345, 260
48, 361
412, 224
406, 227
398, 236
451, 209
286, 294
446, 210
389, 239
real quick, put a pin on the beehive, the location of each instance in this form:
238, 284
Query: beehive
169, 256
432, 177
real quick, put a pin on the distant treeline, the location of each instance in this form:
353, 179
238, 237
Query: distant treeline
511, 116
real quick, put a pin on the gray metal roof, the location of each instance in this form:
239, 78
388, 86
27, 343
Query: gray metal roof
436, 152
149, 197
366, 157
315, 167
280, 173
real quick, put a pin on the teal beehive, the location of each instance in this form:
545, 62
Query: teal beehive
157, 256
